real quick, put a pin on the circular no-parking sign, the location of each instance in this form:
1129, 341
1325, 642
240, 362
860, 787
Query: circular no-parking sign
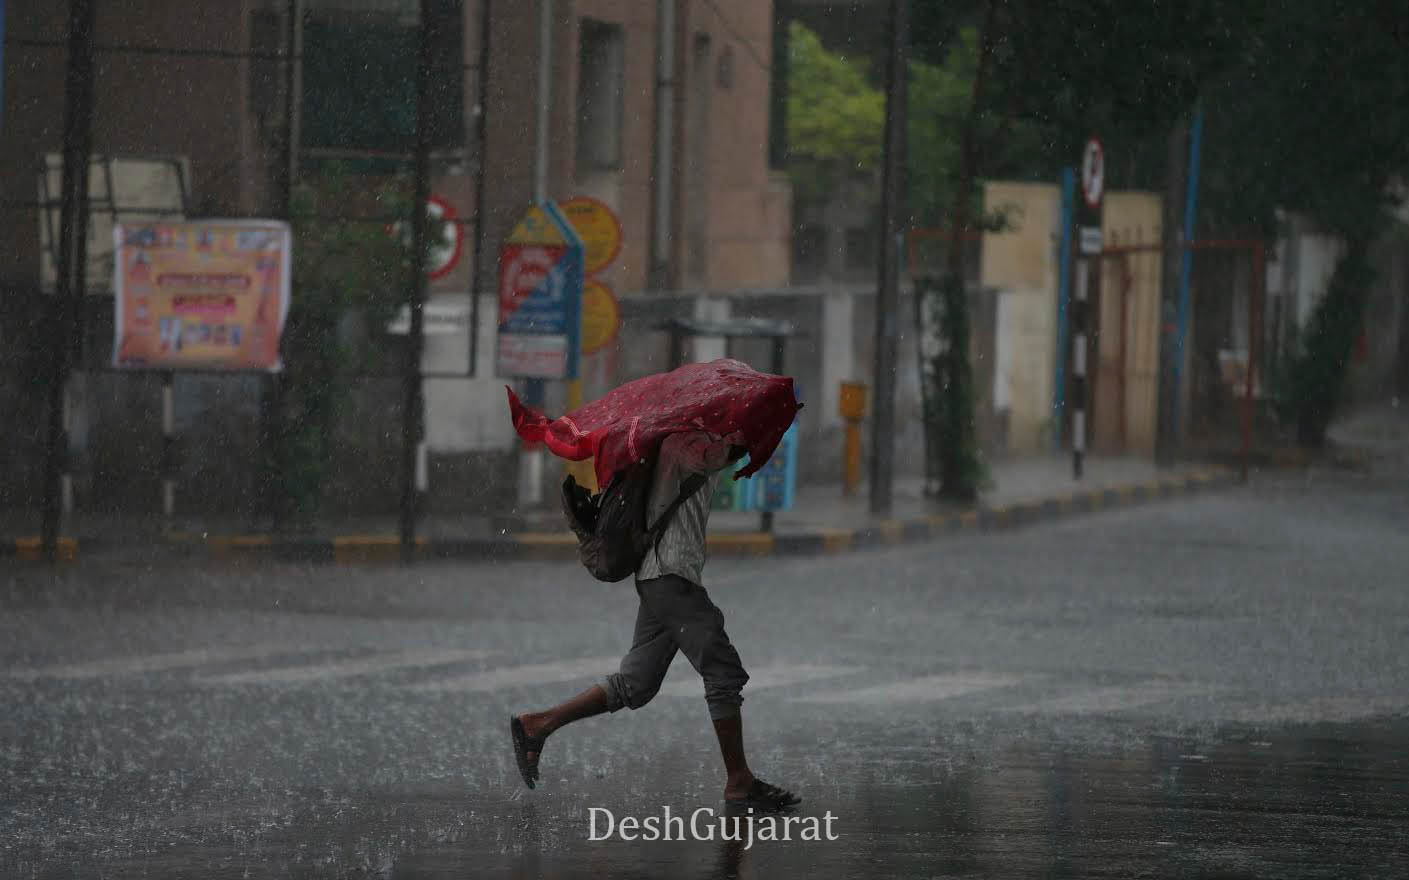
444, 249
1093, 173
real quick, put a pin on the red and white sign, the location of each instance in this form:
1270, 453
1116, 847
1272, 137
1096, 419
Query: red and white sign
1093, 173
445, 251
522, 270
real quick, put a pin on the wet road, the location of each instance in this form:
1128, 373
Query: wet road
1212, 687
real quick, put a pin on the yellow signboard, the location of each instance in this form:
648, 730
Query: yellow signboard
207, 295
598, 228
601, 316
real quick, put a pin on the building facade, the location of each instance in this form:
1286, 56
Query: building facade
192, 109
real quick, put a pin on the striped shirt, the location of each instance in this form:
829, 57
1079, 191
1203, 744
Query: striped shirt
681, 550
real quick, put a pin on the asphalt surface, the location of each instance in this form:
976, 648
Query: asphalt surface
1206, 687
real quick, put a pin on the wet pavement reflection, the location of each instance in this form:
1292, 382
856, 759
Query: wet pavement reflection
1209, 689
1058, 799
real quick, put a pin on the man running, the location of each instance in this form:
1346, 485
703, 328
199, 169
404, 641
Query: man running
675, 614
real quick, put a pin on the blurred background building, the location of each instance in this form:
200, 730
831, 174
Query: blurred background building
193, 119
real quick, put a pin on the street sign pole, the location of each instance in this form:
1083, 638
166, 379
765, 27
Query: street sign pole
1087, 269
73, 259
413, 467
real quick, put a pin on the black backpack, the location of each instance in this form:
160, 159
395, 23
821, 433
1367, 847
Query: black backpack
611, 529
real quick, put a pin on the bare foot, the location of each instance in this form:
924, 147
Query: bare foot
738, 786
535, 725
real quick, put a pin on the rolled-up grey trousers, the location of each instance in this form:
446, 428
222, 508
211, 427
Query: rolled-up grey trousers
677, 615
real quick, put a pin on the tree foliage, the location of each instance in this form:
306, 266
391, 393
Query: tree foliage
835, 116
1314, 120
349, 278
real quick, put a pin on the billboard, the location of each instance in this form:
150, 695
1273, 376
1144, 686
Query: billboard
202, 295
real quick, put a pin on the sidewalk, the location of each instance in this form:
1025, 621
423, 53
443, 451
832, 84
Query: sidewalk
823, 521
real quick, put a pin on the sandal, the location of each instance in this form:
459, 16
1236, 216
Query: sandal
763, 796
523, 744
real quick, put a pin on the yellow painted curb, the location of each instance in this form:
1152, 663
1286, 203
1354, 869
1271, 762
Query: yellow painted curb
369, 548
741, 543
546, 539
241, 542
547, 545
941, 523
892, 530
66, 549
835, 540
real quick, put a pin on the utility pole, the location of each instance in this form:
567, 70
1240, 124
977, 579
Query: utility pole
72, 261
413, 476
1166, 436
663, 160
481, 172
271, 407
888, 290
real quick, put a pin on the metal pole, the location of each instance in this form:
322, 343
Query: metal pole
1259, 268
168, 448
481, 171
531, 460
1186, 262
1064, 252
274, 383
73, 252
545, 86
888, 293
412, 454
665, 144
293, 85
1080, 290
1171, 251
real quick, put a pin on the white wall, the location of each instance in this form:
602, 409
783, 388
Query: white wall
465, 415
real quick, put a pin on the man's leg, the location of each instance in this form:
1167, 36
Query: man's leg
697, 625
739, 777
634, 684
539, 725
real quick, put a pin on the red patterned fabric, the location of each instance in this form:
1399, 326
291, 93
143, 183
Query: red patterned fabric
629, 423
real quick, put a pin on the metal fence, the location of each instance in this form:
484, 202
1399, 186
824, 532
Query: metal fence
1226, 347
220, 98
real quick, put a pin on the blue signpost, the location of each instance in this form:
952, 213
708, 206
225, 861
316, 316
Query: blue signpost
540, 297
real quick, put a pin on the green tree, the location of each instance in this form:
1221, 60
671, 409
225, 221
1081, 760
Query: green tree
1313, 121
834, 117
349, 278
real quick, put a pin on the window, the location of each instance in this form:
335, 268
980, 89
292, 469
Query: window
359, 76
600, 88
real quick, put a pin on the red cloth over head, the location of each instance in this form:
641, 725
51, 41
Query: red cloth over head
629, 423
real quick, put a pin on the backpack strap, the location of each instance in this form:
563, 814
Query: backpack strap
689, 486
